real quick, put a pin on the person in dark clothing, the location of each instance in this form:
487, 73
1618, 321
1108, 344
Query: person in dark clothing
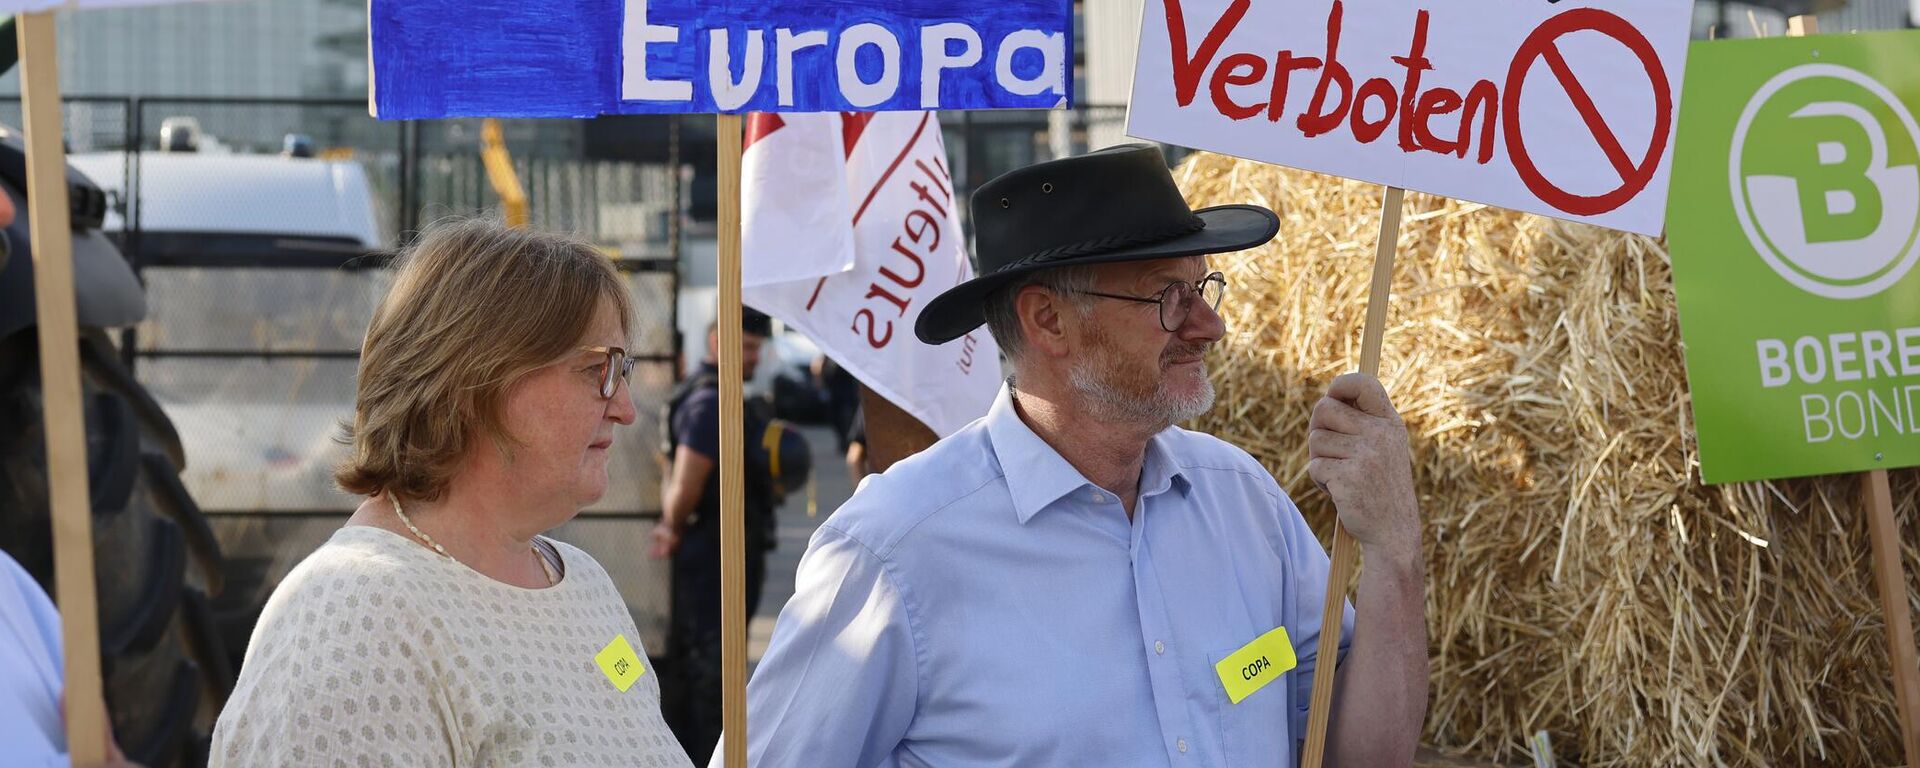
842, 392
689, 533
858, 464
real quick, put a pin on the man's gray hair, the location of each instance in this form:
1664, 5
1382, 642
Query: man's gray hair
1003, 317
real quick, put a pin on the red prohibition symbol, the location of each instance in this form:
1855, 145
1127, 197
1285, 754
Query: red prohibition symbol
1543, 43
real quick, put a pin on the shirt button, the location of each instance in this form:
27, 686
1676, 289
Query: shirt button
1159, 647
1181, 745
1099, 498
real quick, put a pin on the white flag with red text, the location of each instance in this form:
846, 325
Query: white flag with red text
850, 227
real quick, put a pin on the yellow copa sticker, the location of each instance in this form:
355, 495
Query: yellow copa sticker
1256, 664
620, 663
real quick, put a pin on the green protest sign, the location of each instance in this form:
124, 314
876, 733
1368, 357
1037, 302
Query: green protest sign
1794, 225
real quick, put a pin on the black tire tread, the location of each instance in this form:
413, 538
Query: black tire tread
102, 361
204, 632
162, 742
141, 628
179, 506
164, 657
114, 449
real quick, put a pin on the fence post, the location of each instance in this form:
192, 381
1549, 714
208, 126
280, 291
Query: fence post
129, 236
404, 217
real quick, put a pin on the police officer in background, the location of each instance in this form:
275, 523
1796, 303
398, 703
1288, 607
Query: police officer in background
689, 532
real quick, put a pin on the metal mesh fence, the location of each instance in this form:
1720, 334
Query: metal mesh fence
255, 366
253, 353
90, 124
623, 205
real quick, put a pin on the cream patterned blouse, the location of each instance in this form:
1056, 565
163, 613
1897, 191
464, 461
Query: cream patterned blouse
375, 651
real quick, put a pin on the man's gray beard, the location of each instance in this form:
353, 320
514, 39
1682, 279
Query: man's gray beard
1107, 403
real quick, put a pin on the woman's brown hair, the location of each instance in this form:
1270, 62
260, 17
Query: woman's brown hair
474, 306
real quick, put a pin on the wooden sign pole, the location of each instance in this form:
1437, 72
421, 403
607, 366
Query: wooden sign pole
1346, 553
60, 385
733, 571
1891, 578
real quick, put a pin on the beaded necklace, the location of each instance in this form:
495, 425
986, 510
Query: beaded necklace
545, 567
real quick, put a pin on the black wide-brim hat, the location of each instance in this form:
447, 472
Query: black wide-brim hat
1117, 204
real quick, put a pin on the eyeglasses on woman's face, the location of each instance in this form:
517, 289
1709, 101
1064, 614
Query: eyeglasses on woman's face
613, 367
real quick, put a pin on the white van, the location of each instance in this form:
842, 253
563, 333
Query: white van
273, 195
250, 317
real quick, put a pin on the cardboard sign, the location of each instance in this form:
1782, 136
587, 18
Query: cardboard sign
447, 58
1550, 108
1796, 228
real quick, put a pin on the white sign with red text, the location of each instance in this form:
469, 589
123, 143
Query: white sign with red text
1565, 109
849, 229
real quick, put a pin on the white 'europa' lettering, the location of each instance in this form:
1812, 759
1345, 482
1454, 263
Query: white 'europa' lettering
635, 35
943, 47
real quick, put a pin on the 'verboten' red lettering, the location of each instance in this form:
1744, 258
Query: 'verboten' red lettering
1336, 102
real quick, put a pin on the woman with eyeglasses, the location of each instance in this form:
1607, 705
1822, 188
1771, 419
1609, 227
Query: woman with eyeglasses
438, 627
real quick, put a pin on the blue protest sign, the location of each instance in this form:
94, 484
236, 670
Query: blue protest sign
580, 58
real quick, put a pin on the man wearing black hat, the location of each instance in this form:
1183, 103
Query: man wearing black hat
1073, 580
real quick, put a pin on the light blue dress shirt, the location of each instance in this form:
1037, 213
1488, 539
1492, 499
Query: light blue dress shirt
983, 604
31, 731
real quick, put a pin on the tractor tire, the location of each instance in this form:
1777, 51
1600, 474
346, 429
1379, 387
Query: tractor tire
164, 660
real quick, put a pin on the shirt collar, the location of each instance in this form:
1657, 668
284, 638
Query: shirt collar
1162, 471
1037, 475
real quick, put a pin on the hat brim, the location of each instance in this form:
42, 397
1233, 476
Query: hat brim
960, 309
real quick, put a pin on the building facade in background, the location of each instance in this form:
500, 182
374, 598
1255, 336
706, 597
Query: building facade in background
1768, 18
251, 48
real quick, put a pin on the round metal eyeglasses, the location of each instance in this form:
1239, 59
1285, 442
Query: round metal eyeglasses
1176, 300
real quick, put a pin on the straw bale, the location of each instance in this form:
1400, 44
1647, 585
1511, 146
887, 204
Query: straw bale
1581, 578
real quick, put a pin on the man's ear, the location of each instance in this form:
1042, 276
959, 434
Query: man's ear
1043, 321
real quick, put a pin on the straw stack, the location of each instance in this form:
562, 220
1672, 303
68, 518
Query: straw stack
1581, 579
